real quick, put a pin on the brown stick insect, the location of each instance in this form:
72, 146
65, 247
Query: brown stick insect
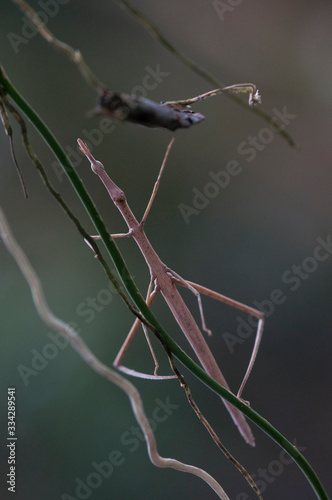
164, 280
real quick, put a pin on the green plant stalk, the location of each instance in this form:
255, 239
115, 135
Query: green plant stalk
139, 300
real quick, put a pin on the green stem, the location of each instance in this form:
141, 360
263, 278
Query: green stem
138, 299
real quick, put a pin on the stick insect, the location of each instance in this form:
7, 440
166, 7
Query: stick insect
164, 280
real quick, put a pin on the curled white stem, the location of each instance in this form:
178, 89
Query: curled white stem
87, 355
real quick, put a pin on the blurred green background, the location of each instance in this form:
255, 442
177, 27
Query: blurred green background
244, 243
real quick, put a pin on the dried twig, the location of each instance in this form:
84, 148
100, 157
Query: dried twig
9, 131
211, 431
73, 54
146, 112
167, 114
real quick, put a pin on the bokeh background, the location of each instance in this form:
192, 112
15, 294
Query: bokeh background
265, 222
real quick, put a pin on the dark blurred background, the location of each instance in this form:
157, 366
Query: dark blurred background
257, 235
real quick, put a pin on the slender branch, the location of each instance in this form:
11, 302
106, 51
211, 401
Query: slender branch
9, 131
87, 355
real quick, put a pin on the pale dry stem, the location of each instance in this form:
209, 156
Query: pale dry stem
87, 355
